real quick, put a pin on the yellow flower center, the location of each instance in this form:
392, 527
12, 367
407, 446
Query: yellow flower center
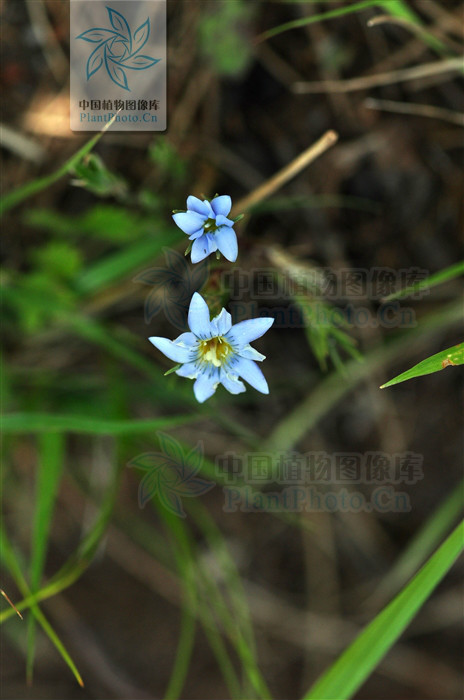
215, 351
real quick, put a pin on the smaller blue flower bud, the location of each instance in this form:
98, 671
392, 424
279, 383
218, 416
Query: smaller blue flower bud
207, 226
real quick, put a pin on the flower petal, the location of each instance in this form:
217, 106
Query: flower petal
196, 234
232, 383
186, 340
247, 331
199, 206
250, 353
198, 317
223, 221
200, 249
251, 373
171, 350
205, 386
189, 370
221, 205
226, 241
221, 323
189, 221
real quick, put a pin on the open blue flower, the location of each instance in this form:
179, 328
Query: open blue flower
207, 226
216, 352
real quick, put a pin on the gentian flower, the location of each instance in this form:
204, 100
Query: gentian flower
208, 227
216, 352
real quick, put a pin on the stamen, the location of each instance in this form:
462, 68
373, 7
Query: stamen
215, 351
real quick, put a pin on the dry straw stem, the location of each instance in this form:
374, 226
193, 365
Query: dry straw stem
290, 171
452, 65
11, 603
416, 109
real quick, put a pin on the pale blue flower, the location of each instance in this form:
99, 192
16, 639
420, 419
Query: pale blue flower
207, 226
216, 352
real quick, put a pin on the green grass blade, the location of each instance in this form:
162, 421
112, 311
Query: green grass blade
233, 609
11, 199
331, 390
396, 8
80, 560
354, 666
117, 266
445, 275
11, 563
421, 545
118, 344
304, 21
51, 455
435, 363
86, 425
184, 649
186, 564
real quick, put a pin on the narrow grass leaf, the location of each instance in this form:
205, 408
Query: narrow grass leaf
435, 363
354, 666
11, 199
51, 455
182, 547
421, 545
319, 401
396, 8
121, 264
75, 566
11, 563
304, 21
86, 425
440, 277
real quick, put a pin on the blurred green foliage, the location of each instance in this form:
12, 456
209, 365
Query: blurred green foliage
224, 35
92, 174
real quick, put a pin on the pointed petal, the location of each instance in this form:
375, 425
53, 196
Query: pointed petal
189, 370
171, 350
223, 221
187, 339
202, 207
250, 353
212, 242
251, 373
198, 317
232, 383
247, 331
221, 323
189, 221
200, 249
221, 205
227, 243
196, 234
205, 386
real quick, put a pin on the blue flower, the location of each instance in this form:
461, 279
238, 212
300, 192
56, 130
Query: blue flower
208, 227
216, 352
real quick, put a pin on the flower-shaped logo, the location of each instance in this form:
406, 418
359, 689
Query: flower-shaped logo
172, 287
118, 49
171, 475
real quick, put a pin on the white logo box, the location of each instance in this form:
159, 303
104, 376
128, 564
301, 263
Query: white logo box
118, 65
